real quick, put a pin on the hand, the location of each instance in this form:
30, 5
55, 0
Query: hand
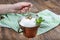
21, 7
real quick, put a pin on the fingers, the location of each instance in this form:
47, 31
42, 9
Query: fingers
26, 4
25, 9
22, 7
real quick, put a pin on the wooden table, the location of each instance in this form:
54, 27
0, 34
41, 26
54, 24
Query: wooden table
54, 34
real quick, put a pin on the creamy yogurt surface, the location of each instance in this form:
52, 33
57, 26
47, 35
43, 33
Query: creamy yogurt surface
28, 22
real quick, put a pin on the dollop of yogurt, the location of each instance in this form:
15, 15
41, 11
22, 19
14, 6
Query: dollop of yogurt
28, 22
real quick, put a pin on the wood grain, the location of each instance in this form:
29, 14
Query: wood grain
54, 34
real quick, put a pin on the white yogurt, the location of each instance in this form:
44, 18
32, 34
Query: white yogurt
28, 22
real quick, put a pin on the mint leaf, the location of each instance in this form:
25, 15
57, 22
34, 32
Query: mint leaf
39, 20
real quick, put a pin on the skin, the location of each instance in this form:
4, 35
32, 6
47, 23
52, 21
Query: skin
20, 7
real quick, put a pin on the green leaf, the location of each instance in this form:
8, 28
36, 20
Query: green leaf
39, 20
